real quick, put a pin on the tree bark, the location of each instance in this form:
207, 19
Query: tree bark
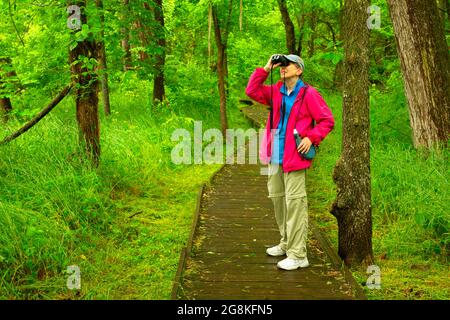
158, 80
143, 30
8, 78
425, 65
5, 107
221, 43
352, 206
288, 26
102, 62
312, 38
241, 14
126, 37
301, 25
209, 36
86, 91
5, 101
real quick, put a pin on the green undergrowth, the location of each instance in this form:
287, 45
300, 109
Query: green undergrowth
123, 223
410, 200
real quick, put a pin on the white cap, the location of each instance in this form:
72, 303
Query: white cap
297, 60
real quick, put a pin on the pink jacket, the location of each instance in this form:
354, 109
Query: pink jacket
313, 108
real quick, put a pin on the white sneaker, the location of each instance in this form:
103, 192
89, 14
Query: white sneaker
275, 251
292, 264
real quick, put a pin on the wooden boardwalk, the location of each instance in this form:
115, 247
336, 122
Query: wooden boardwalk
225, 259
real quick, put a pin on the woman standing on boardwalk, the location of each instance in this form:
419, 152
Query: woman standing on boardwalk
295, 105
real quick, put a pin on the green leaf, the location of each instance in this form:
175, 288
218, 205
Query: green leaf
421, 219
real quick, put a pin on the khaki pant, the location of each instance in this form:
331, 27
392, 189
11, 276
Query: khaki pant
288, 193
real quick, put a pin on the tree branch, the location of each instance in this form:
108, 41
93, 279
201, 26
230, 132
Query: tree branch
39, 116
328, 24
14, 24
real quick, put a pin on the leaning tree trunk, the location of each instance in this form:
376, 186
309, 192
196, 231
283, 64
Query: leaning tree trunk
86, 91
425, 64
352, 207
158, 80
102, 62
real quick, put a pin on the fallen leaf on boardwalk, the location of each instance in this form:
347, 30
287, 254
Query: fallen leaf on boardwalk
333, 273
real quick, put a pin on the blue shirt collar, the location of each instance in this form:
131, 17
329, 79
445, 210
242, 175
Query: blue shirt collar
297, 87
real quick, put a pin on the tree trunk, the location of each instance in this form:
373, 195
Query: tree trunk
301, 25
241, 14
158, 80
86, 91
221, 52
126, 37
209, 36
312, 37
288, 26
102, 61
425, 64
5, 102
143, 30
5, 108
225, 69
352, 206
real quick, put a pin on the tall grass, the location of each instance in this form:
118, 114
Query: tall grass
123, 223
410, 200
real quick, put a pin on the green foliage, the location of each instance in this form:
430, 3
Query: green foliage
55, 210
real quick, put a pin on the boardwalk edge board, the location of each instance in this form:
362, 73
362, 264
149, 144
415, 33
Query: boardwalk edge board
337, 261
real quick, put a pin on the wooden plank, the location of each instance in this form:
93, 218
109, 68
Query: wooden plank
255, 273
257, 297
212, 260
237, 223
237, 229
281, 290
